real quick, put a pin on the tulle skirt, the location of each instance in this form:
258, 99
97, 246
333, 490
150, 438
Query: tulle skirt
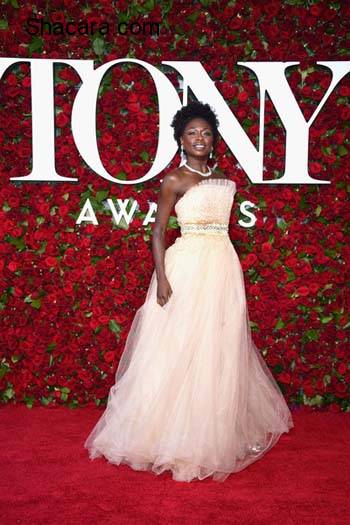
192, 393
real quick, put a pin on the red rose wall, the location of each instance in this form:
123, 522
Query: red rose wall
69, 291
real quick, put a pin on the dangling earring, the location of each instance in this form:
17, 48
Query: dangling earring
211, 156
183, 156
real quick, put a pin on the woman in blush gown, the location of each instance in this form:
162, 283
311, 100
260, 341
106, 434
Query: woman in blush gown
192, 393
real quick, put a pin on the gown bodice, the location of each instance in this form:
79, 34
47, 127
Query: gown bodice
206, 206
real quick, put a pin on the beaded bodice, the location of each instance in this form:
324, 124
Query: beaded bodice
205, 208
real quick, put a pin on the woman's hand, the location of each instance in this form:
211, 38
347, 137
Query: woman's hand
164, 291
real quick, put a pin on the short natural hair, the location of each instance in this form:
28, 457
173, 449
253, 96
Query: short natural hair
195, 109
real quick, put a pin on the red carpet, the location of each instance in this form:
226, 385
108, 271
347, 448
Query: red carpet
47, 477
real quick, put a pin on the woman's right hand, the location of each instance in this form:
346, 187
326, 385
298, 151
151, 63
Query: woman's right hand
164, 291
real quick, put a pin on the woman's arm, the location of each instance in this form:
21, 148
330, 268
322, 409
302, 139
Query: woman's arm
166, 201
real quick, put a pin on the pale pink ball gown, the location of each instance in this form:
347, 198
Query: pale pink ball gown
192, 393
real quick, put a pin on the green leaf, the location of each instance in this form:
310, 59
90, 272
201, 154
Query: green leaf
18, 242
310, 335
327, 150
4, 368
281, 223
309, 51
36, 44
114, 326
3, 300
192, 17
148, 5
45, 400
166, 6
144, 155
101, 195
325, 320
330, 132
3, 24
9, 393
316, 400
42, 248
318, 210
173, 223
277, 369
342, 150
279, 324
98, 45
123, 17
14, 4
29, 401
326, 379
36, 303
202, 40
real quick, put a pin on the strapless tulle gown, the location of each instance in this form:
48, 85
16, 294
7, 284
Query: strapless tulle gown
192, 393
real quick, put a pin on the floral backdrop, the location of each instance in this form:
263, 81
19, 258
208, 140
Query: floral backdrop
69, 291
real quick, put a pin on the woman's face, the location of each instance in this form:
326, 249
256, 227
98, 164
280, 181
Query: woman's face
197, 138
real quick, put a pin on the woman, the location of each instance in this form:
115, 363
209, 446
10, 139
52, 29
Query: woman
192, 393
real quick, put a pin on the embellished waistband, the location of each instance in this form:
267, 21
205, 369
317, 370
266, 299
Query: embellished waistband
211, 228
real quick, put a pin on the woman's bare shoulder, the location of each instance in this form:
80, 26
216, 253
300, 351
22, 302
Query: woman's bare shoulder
173, 175
172, 181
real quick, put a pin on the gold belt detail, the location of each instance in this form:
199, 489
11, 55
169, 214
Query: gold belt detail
204, 228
